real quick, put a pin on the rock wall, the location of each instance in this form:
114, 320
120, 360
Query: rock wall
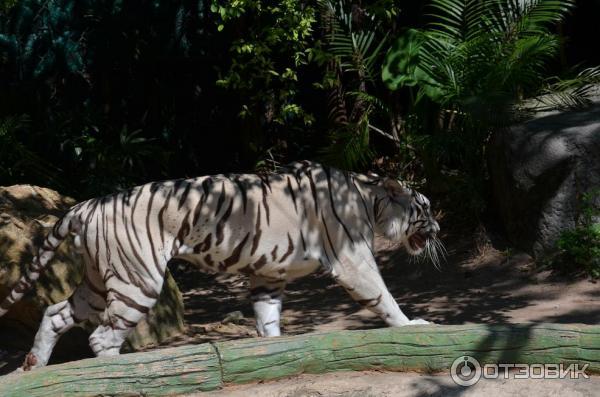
539, 170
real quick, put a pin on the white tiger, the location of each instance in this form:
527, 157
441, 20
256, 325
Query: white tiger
273, 228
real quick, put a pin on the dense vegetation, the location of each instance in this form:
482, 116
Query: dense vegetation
100, 95
579, 248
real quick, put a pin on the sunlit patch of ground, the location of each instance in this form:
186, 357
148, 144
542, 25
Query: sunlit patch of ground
477, 284
385, 384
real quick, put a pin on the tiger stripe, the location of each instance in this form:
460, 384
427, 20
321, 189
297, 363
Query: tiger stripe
270, 227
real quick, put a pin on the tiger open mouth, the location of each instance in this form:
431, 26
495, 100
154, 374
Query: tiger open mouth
417, 241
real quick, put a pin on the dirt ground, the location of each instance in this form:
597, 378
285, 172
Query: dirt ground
477, 284
386, 384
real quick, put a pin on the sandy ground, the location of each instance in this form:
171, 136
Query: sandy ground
477, 284
376, 384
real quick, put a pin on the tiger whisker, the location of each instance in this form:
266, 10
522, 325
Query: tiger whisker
442, 248
435, 252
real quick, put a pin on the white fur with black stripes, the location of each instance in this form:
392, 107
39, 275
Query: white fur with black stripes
273, 228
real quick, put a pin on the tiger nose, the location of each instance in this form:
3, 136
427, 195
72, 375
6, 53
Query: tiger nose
435, 227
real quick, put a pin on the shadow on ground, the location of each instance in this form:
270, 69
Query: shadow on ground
482, 285
474, 286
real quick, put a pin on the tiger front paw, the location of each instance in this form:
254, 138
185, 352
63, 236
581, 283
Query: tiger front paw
419, 321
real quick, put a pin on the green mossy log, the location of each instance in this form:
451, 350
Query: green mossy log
412, 348
209, 366
161, 372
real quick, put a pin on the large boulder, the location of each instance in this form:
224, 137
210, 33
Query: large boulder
540, 169
26, 214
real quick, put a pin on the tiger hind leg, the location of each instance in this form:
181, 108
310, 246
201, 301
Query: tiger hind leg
121, 316
57, 320
267, 296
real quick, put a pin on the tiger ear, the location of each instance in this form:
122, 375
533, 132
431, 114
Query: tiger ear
394, 188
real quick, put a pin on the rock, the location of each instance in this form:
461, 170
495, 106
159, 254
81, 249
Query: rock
26, 214
539, 171
228, 329
164, 321
235, 317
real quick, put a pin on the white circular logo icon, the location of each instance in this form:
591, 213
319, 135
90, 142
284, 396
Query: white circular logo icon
465, 371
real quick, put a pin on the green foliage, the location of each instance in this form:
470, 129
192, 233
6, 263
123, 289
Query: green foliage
6, 5
118, 93
72, 67
579, 248
356, 49
16, 159
569, 92
479, 57
40, 39
188, 77
401, 68
350, 145
113, 165
472, 70
267, 55
352, 53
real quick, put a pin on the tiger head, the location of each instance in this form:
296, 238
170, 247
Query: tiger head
405, 215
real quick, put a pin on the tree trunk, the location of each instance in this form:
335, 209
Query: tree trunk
209, 366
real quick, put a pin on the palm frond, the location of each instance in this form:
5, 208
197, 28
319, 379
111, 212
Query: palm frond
350, 145
520, 17
356, 50
459, 20
372, 100
372, 62
485, 51
570, 93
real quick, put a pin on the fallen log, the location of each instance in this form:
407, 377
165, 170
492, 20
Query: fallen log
209, 366
161, 372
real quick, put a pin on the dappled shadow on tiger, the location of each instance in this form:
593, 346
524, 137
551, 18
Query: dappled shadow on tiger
273, 228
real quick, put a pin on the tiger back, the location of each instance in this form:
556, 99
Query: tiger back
272, 227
